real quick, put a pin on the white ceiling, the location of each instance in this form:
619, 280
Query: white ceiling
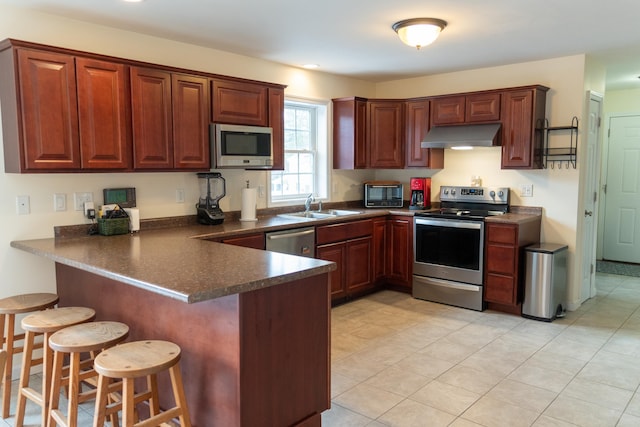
354, 37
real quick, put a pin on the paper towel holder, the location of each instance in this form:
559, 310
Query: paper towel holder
248, 210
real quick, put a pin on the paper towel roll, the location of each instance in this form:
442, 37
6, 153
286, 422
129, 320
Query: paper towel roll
248, 212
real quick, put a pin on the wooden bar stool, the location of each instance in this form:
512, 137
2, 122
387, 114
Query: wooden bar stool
44, 322
133, 360
9, 307
74, 341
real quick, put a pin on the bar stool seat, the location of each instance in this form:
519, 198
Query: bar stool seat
133, 360
75, 340
9, 307
44, 322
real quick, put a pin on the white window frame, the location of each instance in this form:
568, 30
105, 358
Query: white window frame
321, 172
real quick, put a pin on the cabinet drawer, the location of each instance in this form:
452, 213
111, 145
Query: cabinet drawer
255, 241
505, 234
343, 231
501, 259
499, 289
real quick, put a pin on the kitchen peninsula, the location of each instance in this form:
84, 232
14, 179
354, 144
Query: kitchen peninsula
253, 325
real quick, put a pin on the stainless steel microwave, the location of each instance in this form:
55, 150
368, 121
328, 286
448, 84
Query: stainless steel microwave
241, 147
383, 194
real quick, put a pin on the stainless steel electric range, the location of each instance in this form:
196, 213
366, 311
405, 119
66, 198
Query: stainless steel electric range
448, 245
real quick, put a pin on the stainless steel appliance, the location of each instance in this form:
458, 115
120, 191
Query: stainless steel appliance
449, 245
298, 241
383, 194
234, 146
212, 189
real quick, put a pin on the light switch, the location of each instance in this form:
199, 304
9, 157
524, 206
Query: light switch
23, 205
59, 202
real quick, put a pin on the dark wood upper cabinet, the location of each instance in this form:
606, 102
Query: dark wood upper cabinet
385, 134
417, 122
48, 116
240, 103
349, 133
65, 110
447, 110
482, 107
190, 110
276, 121
522, 121
152, 118
104, 114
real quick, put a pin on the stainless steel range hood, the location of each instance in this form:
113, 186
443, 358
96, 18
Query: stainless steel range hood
462, 136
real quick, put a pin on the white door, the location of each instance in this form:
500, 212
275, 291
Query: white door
591, 177
622, 212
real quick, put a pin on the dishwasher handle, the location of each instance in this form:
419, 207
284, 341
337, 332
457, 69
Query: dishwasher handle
289, 235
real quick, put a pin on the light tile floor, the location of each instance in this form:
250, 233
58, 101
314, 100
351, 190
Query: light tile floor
399, 361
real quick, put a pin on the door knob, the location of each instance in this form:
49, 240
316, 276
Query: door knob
588, 213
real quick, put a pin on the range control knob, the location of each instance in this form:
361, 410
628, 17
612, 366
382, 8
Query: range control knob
445, 191
453, 191
492, 193
500, 194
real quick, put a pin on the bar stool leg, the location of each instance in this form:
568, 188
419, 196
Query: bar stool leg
8, 321
56, 381
47, 367
128, 402
178, 392
27, 355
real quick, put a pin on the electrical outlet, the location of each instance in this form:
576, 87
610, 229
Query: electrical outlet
59, 202
23, 205
180, 195
261, 191
526, 190
79, 199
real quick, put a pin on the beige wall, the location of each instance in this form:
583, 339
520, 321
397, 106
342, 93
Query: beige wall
555, 190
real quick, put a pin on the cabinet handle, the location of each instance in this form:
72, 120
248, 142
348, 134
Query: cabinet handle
588, 213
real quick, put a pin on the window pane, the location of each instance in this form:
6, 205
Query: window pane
291, 162
306, 163
303, 139
290, 140
303, 119
290, 185
289, 118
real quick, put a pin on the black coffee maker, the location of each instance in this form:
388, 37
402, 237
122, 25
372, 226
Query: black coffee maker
212, 189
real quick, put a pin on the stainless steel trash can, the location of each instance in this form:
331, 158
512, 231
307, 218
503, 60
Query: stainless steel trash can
545, 286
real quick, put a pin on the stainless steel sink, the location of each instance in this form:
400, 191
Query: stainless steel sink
311, 215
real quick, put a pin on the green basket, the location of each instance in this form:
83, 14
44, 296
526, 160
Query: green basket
113, 226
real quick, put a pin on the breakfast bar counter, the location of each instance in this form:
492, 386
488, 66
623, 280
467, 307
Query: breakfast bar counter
253, 325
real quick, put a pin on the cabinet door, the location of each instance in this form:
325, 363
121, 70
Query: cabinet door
417, 118
335, 252
255, 241
104, 114
349, 133
49, 108
358, 264
379, 243
447, 110
276, 121
152, 122
522, 115
386, 134
190, 121
239, 103
483, 107
401, 256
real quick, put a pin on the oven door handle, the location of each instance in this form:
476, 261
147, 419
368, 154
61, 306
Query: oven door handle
448, 284
474, 225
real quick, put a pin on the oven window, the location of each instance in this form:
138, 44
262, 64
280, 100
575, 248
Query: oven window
448, 246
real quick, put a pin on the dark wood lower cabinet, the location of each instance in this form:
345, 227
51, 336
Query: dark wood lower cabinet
255, 241
400, 256
504, 263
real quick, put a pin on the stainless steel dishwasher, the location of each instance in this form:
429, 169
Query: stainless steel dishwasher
297, 241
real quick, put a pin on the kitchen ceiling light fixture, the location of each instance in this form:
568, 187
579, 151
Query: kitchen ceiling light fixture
419, 32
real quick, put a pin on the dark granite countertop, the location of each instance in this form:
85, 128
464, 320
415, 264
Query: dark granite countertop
169, 262
181, 261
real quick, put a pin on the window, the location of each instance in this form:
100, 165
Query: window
305, 155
